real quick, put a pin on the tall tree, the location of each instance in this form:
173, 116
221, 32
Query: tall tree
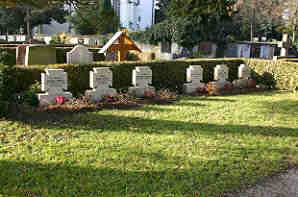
12, 19
193, 21
102, 19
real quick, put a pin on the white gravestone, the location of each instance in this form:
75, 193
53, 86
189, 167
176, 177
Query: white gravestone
221, 74
11, 38
79, 55
54, 83
101, 81
2, 37
284, 45
194, 76
141, 79
244, 72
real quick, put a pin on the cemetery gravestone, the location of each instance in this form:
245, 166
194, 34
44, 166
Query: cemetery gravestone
2, 37
54, 83
284, 45
141, 79
40, 55
101, 81
194, 76
244, 72
11, 38
79, 55
221, 74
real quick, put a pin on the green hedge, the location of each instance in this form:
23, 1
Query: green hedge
8, 56
168, 74
277, 74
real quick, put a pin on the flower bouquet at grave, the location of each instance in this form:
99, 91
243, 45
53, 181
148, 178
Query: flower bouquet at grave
212, 89
63, 104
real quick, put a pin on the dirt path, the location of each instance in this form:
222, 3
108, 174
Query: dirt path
284, 185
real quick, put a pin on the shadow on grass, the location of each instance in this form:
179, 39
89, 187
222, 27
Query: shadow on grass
287, 107
68, 179
96, 122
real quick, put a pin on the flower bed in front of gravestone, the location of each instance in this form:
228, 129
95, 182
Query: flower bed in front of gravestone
161, 97
240, 86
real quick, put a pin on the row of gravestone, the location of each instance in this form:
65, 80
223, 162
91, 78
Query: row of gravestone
41, 54
54, 82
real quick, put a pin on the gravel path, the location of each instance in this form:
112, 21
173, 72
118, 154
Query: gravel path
284, 185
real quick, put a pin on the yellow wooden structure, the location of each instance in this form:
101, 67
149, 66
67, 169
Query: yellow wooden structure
120, 44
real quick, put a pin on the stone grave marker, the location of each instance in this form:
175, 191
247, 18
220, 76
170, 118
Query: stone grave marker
2, 37
11, 38
79, 55
101, 81
54, 83
244, 72
141, 79
221, 74
284, 45
40, 55
194, 76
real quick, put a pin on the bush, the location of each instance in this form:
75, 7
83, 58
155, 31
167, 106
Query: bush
8, 56
275, 74
166, 74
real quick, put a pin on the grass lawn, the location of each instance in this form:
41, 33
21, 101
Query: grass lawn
196, 147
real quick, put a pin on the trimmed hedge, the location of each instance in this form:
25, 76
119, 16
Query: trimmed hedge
167, 74
277, 74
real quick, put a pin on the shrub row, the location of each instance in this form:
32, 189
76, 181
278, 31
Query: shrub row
277, 74
169, 74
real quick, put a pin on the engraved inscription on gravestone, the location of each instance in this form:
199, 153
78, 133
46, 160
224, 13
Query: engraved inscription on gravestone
141, 79
101, 81
142, 76
54, 83
221, 73
194, 75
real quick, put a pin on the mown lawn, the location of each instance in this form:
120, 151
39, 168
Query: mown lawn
196, 147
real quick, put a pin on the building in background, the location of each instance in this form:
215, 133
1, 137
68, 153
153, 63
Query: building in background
137, 14
134, 15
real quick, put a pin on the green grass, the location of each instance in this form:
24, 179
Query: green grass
196, 147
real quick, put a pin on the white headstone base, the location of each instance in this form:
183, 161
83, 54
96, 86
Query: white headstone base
98, 94
140, 91
49, 99
190, 88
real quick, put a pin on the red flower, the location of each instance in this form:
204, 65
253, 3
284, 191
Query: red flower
60, 100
